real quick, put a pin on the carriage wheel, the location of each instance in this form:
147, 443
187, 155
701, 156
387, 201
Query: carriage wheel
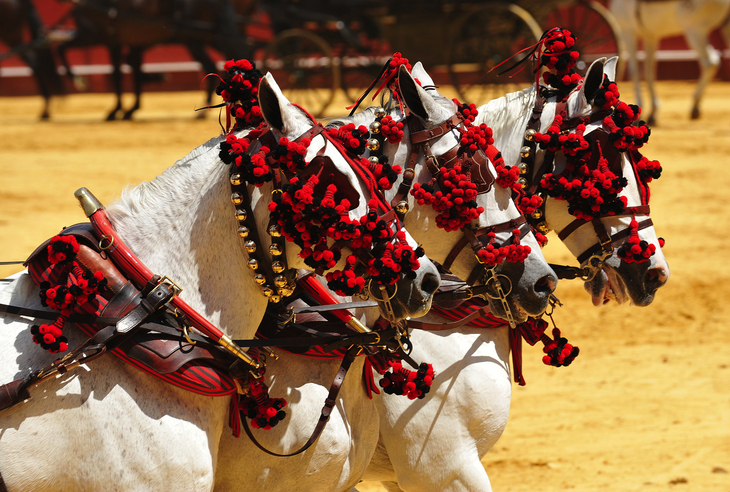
595, 27
303, 66
484, 39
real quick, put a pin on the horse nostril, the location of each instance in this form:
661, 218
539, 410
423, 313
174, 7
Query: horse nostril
546, 285
655, 277
430, 283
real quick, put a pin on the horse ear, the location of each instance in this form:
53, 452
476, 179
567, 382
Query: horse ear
416, 99
609, 68
593, 80
275, 107
419, 73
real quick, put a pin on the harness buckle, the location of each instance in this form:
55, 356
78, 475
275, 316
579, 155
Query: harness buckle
176, 289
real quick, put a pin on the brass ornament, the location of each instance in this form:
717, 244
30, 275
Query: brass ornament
236, 179
267, 291
375, 127
374, 160
236, 198
379, 112
542, 227
402, 207
280, 281
253, 264
522, 182
524, 168
241, 215
274, 231
373, 144
537, 214
275, 250
286, 291
243, 231
274, 298
259, 279
530, 134
525, 152
277, 267
250, 246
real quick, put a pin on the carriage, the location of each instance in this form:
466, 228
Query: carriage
322, 46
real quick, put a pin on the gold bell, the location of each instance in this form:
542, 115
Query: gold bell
253, 264
375, 127
379, 112
267, 291
237, 198
530, 134
277, 267
250, 246
524, 168
286, 291
235, 179
274, 298
243, 231
275, 250
373, 144
259, 279
522, 182
525, 152
402, 207
280, 281
542, 227
274, 231
537, 214
374, 160
241, 215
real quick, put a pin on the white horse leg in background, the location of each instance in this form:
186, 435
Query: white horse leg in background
652, 21
106, 424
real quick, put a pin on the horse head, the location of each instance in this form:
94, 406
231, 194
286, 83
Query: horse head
526, 285
335, 170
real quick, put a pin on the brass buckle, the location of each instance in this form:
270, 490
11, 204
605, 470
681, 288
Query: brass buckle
176, 289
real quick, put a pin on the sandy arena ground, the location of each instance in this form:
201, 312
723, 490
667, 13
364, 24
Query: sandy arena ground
646, 406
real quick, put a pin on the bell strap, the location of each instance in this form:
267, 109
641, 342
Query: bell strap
324, 416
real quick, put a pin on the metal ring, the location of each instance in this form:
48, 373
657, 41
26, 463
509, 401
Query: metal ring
107, 237
495, 278
187, 336
383, 299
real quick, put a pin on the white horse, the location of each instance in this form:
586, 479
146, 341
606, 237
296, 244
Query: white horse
106, 425
437, 443
241, 466
651, 21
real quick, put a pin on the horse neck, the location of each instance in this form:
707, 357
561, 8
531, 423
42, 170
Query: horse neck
182, 225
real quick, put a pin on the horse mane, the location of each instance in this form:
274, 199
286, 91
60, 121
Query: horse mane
183, 179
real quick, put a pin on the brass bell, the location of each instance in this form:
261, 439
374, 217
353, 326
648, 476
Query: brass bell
280, 281
277, 267
253, 264
373, 144
542, 227
274, 231
402, 207
286, 291
235, 179
259, 279
522, 182
537, 214
374, 160
375, 127
275, 298
525, 152
250, 246
530, 134
524, 168
275, 250
243, 231
267, 291
379, 112
241, 215
237, 198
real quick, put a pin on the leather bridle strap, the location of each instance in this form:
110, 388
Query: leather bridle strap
476, 243
324, 416
619, 235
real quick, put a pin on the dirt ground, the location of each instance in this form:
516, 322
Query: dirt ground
646, 406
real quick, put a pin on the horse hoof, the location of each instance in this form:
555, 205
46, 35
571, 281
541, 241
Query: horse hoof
651, 121
112, 116
45, 116
695, 113
128, 115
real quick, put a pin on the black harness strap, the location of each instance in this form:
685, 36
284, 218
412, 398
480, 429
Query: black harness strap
324, 416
